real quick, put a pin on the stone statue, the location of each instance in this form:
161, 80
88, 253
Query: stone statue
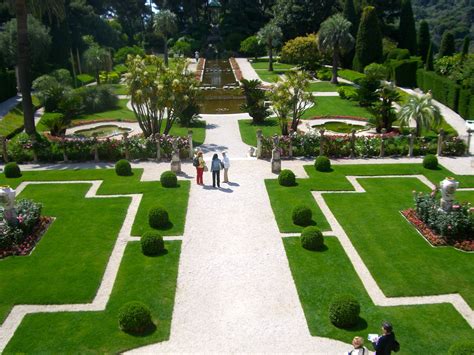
448, 188
7, 200
175, 160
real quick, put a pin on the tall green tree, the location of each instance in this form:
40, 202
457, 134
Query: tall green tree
51, 8
447, 47
407, 29
96, 59
271, 36
465, 46
165, 26
429, 65
334, 38
351, 16
369, 48
422, 110
424, 40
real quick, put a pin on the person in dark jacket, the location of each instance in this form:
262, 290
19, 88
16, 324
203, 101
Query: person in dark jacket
216, 167
386, 343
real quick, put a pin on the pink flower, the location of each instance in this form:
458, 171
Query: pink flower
20, 219
456, 207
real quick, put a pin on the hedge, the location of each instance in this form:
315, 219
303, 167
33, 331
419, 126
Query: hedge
443, 89
466, 104
403, 72
8, 86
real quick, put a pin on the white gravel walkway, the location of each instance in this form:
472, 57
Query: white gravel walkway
248, 72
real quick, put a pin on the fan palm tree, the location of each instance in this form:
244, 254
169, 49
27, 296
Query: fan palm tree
335, 37
51, 8
422, 110
165, 25
271, 36
97, 59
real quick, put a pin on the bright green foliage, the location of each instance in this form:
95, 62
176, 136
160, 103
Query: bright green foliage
369, 46
429, 65
344, 311
158, 218
447, 46
424, 40
334, 37
302, 51
302, 216
286, 178
165, 25
152, 243
407, 29
121, 55
422, 110
270, 35
169, 179
398, 54
97, 59
322, 164
462, 348
182, 48
135, 317
252, 47
12, 170
311, 238
383, 110
430, 162
376, 71
123, 168
254, 100
443, 89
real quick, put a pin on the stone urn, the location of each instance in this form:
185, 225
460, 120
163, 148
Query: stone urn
448, 188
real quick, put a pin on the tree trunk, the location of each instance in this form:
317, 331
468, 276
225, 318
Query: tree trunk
24, 66
335, 62
418, 128
73, 65
97, 76
270, 55
165, 51
78, 61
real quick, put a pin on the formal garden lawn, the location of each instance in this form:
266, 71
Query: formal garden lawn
335, 106
325, 86
261, 67
248, 130
68, 263
400, 260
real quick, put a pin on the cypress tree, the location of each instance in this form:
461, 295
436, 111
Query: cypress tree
465, 46
350, 15
407, 29
429, 59
447, 47
424, 40
369, 40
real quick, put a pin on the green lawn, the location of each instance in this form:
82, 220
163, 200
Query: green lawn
248, 131
325, 86
350, 75
340, 127
319, 276
119, 89
261, 67
335, 106
151, 280
13, 122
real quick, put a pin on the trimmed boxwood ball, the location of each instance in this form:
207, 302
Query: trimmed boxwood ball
322, 164
430, 162
287, 178
302, 216
312, 239
12, 170
462, 348
344, 311
169, 179
135, 317
123, 168
152, 243
158, 217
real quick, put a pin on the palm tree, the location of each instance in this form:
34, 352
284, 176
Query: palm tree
422, 110
38, 8
97, 59
164, 24
335, 37
271, 35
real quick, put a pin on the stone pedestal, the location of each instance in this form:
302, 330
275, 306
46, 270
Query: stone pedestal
190, 142
276, 156
439, 151
175, 160
4, 149
411, 139
158, 148
259, 144
353, 139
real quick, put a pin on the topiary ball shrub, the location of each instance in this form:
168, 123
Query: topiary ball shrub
158, 217
123, 168
344, 311
462, 348
152, 243
287, 178
135, 317
430, 162
322, 164
169, 179
312, 239
302, 216
12, 170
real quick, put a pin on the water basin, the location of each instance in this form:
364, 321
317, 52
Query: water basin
103, 131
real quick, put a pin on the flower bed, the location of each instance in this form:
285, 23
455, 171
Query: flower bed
236, 68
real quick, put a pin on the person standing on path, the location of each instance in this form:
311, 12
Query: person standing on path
226, 163
359, 348
386, 343
200, 168
216, 167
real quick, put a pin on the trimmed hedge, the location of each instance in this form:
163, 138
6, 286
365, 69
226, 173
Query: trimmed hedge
135, 317
322, 164
443, 89
344, 311
287, 178
403, 72
312, 239
12, 170
123, 168
430, 162
8, 86
158, 218
466, 104
152, 243
302, 216
168, 179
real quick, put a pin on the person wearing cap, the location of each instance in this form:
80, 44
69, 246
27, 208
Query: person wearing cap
226, 164
386, 343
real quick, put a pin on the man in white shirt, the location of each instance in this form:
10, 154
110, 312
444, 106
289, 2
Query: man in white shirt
226, 163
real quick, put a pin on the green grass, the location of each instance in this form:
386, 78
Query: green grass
325, 86
339, 127
335, 106
350, 75
120, 89
151, 280
319, 276
121, 113
248, 131
13, 122
261, 67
